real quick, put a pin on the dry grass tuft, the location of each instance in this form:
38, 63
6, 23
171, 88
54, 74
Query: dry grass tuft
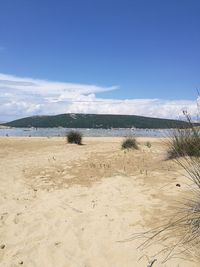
185, 141
130, 143
179, 235
74, 137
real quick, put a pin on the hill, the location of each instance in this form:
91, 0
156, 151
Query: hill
95, 121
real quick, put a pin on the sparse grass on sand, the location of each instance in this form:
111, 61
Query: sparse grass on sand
180, 234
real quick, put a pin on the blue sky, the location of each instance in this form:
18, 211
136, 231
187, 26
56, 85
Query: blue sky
143, 49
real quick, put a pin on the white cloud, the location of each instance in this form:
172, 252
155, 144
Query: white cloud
20, 97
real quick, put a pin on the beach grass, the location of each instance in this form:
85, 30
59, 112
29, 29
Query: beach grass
74, 137
129, 143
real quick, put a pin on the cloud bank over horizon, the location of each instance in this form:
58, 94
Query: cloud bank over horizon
22, 97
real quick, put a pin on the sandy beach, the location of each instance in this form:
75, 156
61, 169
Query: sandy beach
65, 205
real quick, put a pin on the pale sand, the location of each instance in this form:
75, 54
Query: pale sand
65, 205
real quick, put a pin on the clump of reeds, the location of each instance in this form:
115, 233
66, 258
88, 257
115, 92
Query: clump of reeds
185, 141
74, 137
130, 143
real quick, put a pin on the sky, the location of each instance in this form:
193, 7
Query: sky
137, 57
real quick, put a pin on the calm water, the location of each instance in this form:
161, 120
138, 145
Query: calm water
86, 132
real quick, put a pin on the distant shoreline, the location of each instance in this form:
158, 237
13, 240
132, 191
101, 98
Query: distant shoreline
88, 132
5, 127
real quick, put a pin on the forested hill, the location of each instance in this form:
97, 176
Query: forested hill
95, 121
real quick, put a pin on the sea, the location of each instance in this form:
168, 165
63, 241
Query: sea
56, 132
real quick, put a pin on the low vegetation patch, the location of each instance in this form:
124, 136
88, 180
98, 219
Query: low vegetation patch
180, 233
148, 144
74, 137
184, 142
130, 143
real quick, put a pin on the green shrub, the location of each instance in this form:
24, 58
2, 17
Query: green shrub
74, 137
184, 142
148, 144
129, 143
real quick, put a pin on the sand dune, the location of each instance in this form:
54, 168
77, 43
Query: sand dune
64, 205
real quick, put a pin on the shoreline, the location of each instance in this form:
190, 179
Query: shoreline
61, 132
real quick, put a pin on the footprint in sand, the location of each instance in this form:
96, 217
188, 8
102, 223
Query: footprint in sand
16, 219
3, 217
